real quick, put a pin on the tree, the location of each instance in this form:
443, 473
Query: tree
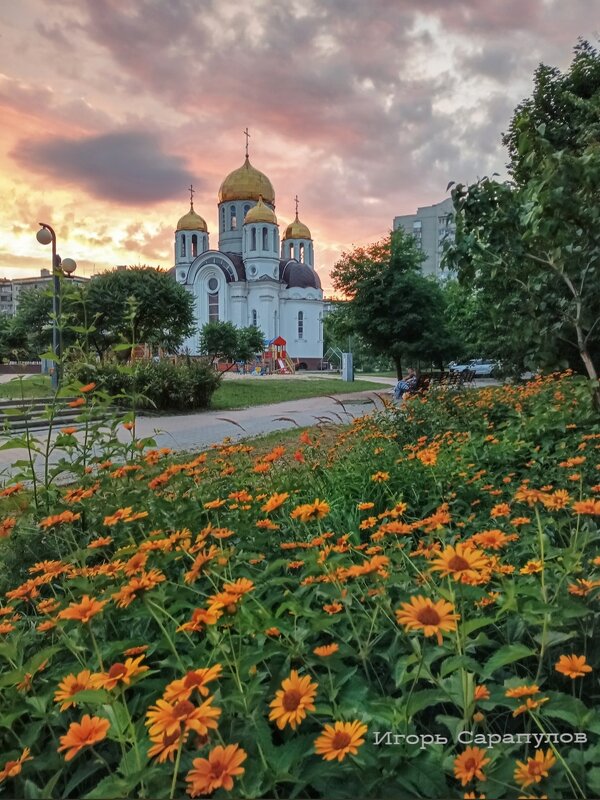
224, 340
531, 245
164, 310
97, 315
395, 308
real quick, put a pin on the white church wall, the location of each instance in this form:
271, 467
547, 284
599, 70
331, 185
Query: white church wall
310, 343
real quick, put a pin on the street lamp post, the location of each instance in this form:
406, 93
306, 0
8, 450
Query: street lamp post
46, 235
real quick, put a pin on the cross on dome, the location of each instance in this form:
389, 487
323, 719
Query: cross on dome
192, 192
247, 135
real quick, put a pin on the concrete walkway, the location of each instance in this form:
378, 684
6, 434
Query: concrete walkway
184, 432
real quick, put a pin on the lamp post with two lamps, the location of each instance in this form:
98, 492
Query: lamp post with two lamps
66, 266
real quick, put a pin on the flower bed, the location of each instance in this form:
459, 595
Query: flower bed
408, 611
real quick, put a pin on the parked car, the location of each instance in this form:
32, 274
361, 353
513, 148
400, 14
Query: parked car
482, 367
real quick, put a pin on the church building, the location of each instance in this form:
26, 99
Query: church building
253, 278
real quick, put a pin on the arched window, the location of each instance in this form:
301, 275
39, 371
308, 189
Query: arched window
213, 300
320, 327
301, 257
265, 244
194, 245
301, 324
183, 246
232, 219
275, 240
246, 210
223, 218
253, 239
254, 318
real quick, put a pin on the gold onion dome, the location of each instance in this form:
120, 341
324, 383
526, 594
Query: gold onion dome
192, 221
246, 183
260, 213
297, 230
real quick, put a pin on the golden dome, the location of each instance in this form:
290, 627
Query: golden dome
260, 213
246, 183
297, 230
192, 221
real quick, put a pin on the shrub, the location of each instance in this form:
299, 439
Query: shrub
161, 385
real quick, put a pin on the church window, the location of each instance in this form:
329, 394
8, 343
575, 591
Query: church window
253, 240
194, 245
265, 245
301, 258
254, 318
232, 219
213, 300
223, 218
183, 246
246, 210
301, 324
275, 240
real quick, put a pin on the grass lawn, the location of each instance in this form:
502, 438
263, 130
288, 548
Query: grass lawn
254, 392
31, 386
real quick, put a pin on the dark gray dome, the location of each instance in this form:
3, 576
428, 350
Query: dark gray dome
298, 276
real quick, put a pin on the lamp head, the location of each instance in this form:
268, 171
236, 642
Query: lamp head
43, 236
68, 266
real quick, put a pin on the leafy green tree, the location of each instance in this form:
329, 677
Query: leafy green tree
395, 308
531, 245
98, 315
164, 310
223, 340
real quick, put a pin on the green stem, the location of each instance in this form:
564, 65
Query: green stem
176, 769
149, 606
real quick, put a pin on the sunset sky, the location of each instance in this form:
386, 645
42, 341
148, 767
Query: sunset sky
110, 108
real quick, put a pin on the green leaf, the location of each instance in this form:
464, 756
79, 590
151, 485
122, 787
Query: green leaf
506, 655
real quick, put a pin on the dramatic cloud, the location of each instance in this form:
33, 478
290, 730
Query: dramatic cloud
127, 167
365, 110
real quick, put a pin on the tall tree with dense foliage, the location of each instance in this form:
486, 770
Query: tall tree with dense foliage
531, 245
395, 308
224, 340
99, 314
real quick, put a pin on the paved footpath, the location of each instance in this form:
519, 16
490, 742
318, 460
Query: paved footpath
199, 431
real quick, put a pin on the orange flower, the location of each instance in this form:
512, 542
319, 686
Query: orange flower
492, 539
365, 506
218, 503
136, 651
531, 568
333, 608
70, 686
167, 718
16, 487
217, 771
273, 632
500, 510
13, 768
275, 501
469, 765
7, 525
460, 562
587, 507
340, 739
522, 691
529, 705
309, 511
84, 610
380, 477
80, 401
182, 688
267, 525
166, 746
119, 673
481, 693
89, 731
100, 541
57, 519
572, 666
293, 700
326, 650
68, 431
535, 769
432, 618
89, 387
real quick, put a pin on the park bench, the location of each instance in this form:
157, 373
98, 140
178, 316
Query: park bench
455, 380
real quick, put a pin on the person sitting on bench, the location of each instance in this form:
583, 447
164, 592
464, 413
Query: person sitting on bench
408, 384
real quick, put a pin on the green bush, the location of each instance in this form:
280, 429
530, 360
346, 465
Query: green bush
160, 385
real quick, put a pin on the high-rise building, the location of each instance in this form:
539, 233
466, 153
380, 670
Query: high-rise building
432, 226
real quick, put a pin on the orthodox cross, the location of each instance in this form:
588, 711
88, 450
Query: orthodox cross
247, 135
296, 199
192, 192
